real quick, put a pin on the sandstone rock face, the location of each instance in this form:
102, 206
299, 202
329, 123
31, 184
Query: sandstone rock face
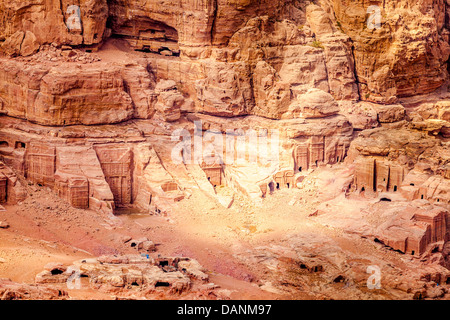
115, 273
197, 23
64, 96
82, 183
313, 104
169, 100
10, 290
27, 24
333, 24
12, 46
234, 65
414, 229
278, 60
401, 160
93, 100
11, 189
406, 56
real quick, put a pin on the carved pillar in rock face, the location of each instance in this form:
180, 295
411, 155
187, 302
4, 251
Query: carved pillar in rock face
341, 152
279, 180
301, 154
263, 188
19, 160
396, 177
3, 188
382, 179
364, 175
289, 178
317, 151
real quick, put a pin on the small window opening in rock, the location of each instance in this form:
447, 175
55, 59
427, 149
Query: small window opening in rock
271, 187
411, 184
385, 199
300, 169
395, 188
421, 197
317, 269
164, 263
4, 144
288, 185
56, 272
133, 244
337, 160
339, 279
317, 163
412, 252
162, 284
278, 186
20, 145
363, 189
134, 283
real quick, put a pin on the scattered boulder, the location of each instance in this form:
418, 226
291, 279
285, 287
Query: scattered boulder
29, 45
11, 46
10, 290
315, 103
143, 244
175, 275
4, 225
169, 101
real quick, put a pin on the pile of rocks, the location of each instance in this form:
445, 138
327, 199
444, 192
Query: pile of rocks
10, 290
114, 273
55, 53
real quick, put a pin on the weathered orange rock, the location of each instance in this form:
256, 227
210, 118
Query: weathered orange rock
403, 57
28, 24
413, 229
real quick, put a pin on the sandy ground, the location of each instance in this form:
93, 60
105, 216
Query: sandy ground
45, 229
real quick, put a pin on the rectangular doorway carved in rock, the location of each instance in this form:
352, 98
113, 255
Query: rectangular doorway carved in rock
3, 188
